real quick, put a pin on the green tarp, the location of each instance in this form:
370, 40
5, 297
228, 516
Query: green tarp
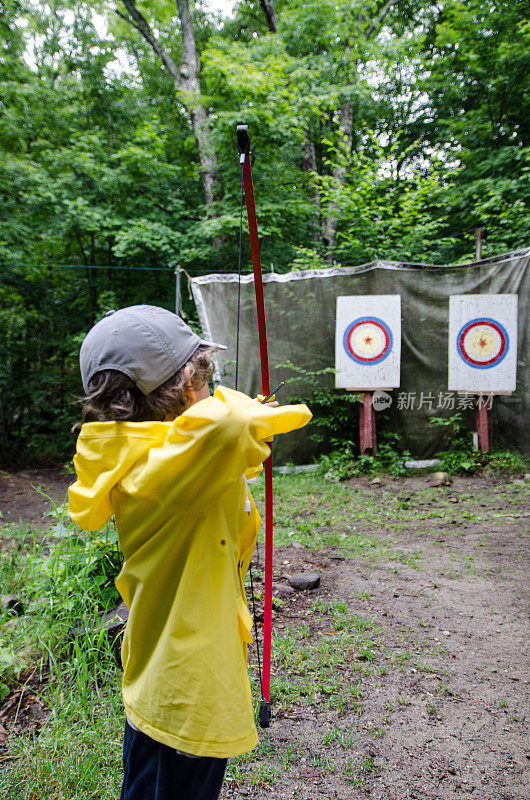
300, 310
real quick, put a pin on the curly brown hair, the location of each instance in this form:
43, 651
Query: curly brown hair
112, 396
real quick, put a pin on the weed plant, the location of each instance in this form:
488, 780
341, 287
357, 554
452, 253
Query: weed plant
458, 457
65, 579
342, 464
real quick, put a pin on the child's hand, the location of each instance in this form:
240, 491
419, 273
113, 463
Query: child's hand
272, 402
271, 398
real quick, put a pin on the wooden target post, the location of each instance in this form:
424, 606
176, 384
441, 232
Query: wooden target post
482, 422
367, 354
367, 435
482, 352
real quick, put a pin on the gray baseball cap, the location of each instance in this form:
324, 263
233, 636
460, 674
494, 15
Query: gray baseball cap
147, 343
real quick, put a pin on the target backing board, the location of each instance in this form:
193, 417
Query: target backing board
482, 343
368, 342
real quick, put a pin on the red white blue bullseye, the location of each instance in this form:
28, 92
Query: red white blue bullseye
368, 340
482, 343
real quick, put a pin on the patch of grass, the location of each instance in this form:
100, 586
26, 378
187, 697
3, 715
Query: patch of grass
351, 520
380, 730
423, 666
263, 773
341, 617
336, 735
263, 766
325, 762
318, 666
359, 772
401, 657
82, 738
71, 758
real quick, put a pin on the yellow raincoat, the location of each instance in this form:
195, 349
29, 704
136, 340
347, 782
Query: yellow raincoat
187, 527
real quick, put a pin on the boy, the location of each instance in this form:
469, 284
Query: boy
169, 462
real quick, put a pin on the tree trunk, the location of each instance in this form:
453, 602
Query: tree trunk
329, 228
190, 87
270, 15
187, 81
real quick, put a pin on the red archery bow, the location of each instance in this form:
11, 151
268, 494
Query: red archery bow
243, 142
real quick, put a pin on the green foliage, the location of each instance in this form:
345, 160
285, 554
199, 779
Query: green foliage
455, 433
455, 462
468, 461
63, 579
339, 464
505, 462
99, 166
81, 569
44, 314
8, 668
342, 464
460, 458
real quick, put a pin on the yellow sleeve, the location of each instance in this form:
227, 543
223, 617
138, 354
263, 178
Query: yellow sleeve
105, 452
212, 444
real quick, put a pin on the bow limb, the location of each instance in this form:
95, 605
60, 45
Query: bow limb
244, 147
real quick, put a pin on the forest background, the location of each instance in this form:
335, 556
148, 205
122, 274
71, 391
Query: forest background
380, 130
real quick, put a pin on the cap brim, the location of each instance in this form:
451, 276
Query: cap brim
214, 344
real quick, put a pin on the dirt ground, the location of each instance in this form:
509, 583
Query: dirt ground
444, 710
452, 720
25, 496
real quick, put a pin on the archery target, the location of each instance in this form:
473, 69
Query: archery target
368, 342
482, 343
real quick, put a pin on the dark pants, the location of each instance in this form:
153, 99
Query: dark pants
154, 771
